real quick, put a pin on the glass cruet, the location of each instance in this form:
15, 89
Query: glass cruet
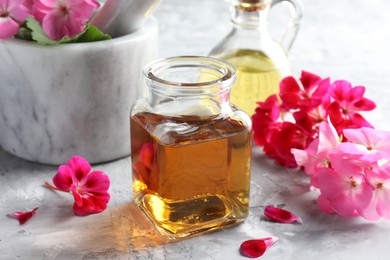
190, 149
260, 61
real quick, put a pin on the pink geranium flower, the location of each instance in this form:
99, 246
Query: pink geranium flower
348, 102
350, 98
283, 137
89, 189
62, 18
309, 93
267, 113
12, 14
368, 144
317, 151
344, 186
379, 178
317, 154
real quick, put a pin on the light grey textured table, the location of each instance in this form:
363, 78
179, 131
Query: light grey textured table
342, 39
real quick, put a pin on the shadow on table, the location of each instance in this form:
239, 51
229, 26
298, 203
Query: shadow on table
133, 230
10, 162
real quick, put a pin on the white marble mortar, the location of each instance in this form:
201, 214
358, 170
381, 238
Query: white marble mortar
74, 99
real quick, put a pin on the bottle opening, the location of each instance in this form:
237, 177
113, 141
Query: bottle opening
191, 71
251, 5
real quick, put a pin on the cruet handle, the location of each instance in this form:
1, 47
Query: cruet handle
296, 10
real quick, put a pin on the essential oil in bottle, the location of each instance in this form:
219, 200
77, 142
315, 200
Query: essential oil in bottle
190, 174
257, 78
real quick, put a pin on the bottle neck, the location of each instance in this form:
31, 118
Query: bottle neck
250, 17
190, 86
201, 102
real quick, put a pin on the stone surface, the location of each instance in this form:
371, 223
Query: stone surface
343, 40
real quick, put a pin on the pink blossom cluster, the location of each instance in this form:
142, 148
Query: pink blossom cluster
292, 118
316, 125
59, 18
353, 176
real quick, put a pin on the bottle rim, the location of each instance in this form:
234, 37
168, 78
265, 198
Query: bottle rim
251, 5
227, 72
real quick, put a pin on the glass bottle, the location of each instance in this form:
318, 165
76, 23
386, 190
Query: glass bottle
190, 149
260, 61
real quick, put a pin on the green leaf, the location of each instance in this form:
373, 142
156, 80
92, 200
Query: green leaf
90, 34
37, 32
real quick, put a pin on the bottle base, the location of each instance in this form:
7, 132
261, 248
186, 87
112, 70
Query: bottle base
181, 219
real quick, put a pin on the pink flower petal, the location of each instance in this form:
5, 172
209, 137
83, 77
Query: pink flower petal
324, 204
256, 247
95, 182
48, 3
322, 90
357, 121
93, 3
29, 4
12, 5
84, 11
383, 204
371, 212
80, 166
379, 178
328, 137
309, 80
23, 216
8, 27
91, 204
303, 157
356, 93
64, 178
281, 215
78, 199
365, 104
39, 10
340, 90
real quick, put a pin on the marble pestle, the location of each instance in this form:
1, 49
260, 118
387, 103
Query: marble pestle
121, 17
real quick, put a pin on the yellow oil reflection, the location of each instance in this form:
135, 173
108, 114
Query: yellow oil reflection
133, 230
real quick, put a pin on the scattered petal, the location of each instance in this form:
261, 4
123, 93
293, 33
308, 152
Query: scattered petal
256, 247
23, 216
281, 215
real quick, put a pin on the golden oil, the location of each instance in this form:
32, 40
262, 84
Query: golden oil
190, 174
257, 78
